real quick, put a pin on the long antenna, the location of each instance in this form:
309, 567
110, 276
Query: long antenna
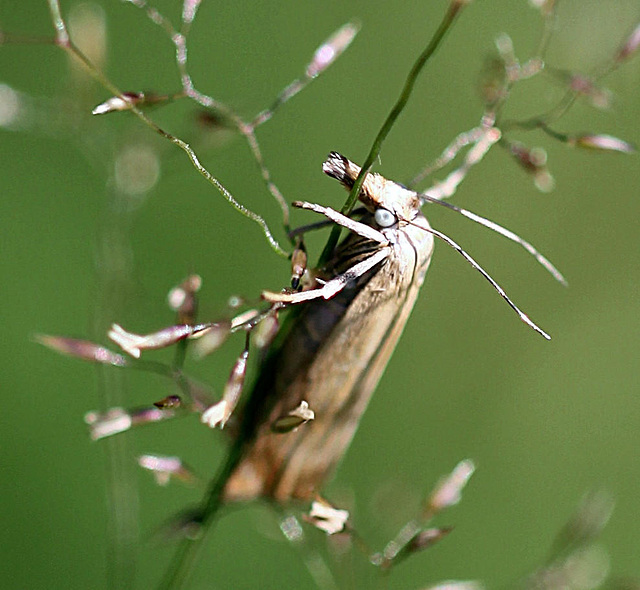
503, 231
523, 316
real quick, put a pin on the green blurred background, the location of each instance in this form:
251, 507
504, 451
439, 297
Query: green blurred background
545, 421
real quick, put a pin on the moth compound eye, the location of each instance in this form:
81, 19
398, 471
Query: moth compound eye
384, 218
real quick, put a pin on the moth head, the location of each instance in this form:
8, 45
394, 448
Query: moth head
377, 193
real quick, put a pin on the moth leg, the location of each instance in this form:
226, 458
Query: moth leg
303, 229
362, 229
299, 255
335, 285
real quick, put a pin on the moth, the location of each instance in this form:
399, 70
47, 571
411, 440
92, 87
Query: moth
334, 348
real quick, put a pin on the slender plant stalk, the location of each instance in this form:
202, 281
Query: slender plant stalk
454, 10
64, 41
